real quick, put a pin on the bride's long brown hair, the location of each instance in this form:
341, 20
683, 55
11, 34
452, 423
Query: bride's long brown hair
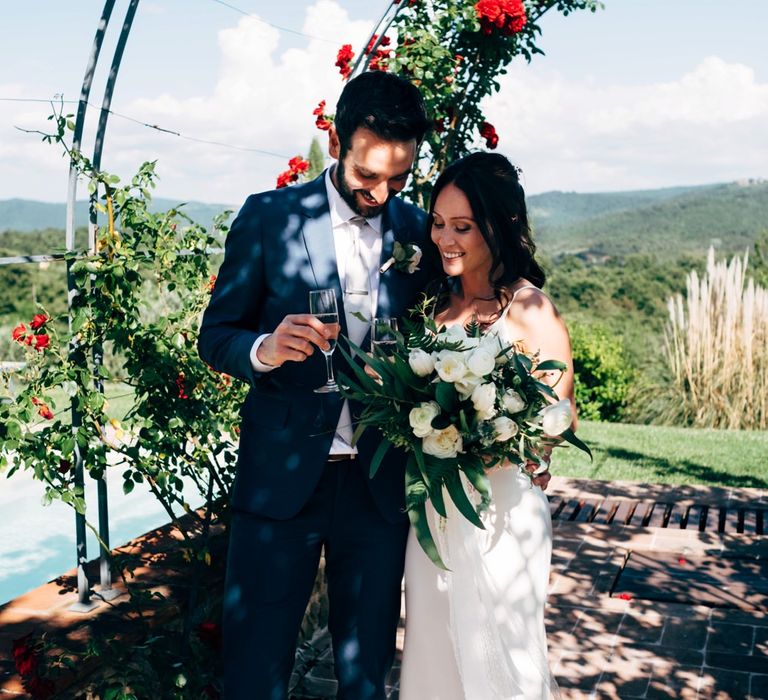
492, 186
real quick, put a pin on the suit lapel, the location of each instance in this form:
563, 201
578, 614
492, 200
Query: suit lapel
317, 233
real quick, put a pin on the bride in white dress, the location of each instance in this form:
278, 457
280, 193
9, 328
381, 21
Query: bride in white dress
476, 631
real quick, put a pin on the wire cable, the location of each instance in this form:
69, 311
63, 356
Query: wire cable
275, 26
157, 127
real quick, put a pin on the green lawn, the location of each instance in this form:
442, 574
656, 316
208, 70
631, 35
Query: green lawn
658, 454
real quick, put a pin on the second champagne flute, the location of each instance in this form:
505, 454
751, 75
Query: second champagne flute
384, 335
322, 305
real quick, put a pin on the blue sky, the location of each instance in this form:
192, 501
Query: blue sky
645, 93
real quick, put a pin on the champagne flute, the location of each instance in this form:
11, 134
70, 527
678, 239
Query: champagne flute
322, 305
384, 336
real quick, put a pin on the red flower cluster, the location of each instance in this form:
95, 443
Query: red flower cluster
209, 633
27, 661
323, 121
296, 166
488, 132
508, 16
39, 341
42, 409
211, 284
381, 56
180, 386
343, 59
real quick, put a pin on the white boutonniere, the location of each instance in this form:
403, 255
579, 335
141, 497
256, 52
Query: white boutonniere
405, 258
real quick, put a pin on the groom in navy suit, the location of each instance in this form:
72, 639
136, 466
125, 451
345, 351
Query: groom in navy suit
301, 485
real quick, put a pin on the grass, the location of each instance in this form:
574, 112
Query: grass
666, 455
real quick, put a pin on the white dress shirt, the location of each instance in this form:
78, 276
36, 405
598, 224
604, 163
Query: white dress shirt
370, 248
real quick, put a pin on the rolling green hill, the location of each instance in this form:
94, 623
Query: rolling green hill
555, 209
727, 216
30, 215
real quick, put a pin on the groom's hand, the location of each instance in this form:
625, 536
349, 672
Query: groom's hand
294, 339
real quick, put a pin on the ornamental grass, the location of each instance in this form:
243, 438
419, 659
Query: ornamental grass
716, 344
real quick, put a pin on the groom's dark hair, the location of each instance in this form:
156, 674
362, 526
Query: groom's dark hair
390, 106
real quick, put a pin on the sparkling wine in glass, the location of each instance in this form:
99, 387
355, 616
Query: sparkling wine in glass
384, 336
322, 305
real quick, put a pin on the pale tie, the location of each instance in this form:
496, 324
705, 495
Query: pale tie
357, 286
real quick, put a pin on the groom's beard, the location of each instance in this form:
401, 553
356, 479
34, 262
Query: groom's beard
349, 196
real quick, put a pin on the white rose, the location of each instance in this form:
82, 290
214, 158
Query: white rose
421, 362
556, 418
505, 428
450, 367
421, 417
483, 399
512, 401
481, 362
453, 334
466, 385
443, 443
492, 344
413, 264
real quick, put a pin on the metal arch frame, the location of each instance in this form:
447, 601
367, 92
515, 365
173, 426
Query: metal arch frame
84, 602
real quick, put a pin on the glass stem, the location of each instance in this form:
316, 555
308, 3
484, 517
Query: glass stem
329, 369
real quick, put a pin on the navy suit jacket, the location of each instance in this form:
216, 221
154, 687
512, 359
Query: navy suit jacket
279, 248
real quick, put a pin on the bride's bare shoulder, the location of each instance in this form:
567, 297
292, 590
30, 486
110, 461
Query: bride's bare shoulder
530, 306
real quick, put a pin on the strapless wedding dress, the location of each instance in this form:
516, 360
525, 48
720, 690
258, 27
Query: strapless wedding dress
476, 632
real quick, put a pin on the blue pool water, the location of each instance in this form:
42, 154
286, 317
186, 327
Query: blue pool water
37, 543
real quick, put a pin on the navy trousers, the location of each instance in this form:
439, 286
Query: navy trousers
270, 572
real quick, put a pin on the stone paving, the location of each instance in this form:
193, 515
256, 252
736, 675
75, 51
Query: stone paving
610, 638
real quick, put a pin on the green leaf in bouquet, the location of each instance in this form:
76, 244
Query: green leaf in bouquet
548, 365
547, 390
378, 456
570, 436
523, 364
441, 421
463, 424
461, 500
436, 496
418, 517
479, 480
418, 458
446, 396
365, 384
359, 430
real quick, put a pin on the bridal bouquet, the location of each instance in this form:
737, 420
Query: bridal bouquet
456, 401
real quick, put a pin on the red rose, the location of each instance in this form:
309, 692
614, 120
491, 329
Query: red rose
284, 179
38, 321
41, 342
211, 284
343, 59
322, 122
19, 332
298, 165
180, 386
385, 41
508, 16
488, 132
209, 633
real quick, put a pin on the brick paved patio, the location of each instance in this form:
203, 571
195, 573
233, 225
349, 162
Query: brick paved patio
714, 645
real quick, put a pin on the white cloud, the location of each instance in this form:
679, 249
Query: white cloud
710, 124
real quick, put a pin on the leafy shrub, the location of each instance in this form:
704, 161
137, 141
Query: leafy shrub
603, 374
